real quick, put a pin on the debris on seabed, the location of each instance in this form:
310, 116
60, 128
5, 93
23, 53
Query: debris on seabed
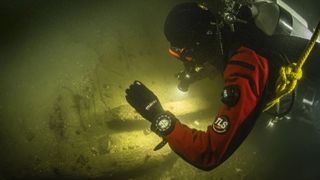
238, 170
196, 123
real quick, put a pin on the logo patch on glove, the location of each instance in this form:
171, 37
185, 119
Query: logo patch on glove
221, 125
151, 104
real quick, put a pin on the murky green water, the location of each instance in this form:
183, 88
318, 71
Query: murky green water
64, 69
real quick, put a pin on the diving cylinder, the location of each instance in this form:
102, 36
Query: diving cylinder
276, 17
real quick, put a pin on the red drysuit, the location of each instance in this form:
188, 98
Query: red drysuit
247, 71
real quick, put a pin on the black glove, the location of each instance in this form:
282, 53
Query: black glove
144, 101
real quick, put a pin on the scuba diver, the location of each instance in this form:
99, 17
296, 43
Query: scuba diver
236, 49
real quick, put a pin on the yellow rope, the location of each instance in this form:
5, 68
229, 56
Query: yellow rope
289, 75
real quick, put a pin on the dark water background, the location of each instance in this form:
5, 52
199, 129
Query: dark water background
64, 66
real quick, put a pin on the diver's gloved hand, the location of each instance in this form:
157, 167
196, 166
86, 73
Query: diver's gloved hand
147, 104
144, 101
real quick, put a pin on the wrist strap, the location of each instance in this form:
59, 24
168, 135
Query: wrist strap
156, 127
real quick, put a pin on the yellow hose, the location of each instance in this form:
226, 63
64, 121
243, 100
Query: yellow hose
289, 75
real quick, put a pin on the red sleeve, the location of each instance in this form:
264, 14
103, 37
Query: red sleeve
205, 150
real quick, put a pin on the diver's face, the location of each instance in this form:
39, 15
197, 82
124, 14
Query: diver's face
196, 59
198, 53
183, 54
191, 55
